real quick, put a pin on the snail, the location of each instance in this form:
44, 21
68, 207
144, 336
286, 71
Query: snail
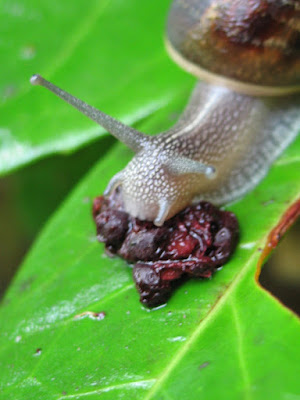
240, 116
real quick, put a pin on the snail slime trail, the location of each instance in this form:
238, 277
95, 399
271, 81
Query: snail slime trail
242, 114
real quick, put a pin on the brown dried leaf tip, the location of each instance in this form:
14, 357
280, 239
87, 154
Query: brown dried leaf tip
194, 243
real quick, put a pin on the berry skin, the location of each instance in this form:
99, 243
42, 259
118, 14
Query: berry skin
194, 243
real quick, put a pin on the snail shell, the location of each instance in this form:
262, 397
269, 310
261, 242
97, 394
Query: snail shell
250, 46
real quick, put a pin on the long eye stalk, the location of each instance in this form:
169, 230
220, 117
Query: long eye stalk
129, 136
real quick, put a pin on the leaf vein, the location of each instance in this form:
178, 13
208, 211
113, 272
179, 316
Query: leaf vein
202, 325
144, 384
240, 351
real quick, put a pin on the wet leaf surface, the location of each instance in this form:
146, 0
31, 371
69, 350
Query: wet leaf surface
223, 338
227, 329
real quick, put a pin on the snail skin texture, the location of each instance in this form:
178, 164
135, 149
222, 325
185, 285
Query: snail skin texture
238, 120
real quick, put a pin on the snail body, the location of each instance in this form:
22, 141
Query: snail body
222, 145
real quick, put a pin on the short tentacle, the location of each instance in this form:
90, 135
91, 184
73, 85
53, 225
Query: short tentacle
184, 165
164, 208
115, 181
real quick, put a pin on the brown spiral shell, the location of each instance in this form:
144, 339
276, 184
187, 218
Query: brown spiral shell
253, 42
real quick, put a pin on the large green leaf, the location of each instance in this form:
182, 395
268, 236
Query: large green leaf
108, 52
220, 338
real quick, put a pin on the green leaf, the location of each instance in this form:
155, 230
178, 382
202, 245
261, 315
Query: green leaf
224, 338
219, 338
109, 53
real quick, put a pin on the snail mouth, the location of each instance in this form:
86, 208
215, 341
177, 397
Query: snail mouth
218, 80
144, 212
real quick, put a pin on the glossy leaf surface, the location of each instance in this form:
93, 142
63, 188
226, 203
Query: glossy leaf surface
109, 53
223, 338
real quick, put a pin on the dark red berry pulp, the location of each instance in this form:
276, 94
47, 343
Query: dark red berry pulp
194, 243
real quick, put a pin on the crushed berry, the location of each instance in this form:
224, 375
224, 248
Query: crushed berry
194, 243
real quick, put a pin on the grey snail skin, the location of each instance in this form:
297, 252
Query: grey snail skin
242, 114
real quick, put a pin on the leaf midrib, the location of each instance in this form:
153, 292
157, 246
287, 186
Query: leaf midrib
202, 325
240, 351
209, 317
